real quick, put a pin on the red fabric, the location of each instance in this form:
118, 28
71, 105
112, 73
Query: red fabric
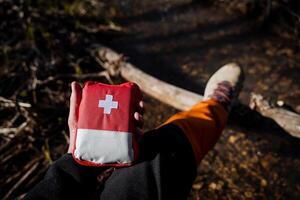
91, 116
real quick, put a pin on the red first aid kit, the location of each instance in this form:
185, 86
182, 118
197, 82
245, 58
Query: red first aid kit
106, 132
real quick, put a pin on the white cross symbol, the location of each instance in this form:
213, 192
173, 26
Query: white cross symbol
108, 104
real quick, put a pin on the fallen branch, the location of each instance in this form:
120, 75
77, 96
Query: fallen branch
177, 97
15, 131
7, 103
115, 64
288, 120
31, 169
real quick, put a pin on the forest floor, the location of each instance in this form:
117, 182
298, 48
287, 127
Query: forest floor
181, 42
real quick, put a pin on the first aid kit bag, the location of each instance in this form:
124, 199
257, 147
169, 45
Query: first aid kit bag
106, 132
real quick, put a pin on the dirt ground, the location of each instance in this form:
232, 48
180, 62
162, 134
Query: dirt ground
181, 42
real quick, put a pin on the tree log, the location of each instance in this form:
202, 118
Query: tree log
182, 99
288, 120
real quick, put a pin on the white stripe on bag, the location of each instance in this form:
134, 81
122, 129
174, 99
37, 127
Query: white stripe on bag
102, 146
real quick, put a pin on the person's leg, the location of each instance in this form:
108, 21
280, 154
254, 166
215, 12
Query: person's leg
170, 154
202, 125
166, 169
204, 122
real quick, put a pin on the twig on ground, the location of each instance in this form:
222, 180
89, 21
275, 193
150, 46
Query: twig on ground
15, 131
9, 154
9, 103
29, 172
15, 176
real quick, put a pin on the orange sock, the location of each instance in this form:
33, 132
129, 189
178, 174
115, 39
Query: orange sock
202, 124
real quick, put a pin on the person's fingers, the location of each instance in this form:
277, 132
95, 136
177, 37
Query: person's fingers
74, 102
139, 119
73, 113
141, 109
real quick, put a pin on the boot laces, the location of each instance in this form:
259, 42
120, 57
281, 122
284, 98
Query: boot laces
223, 93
